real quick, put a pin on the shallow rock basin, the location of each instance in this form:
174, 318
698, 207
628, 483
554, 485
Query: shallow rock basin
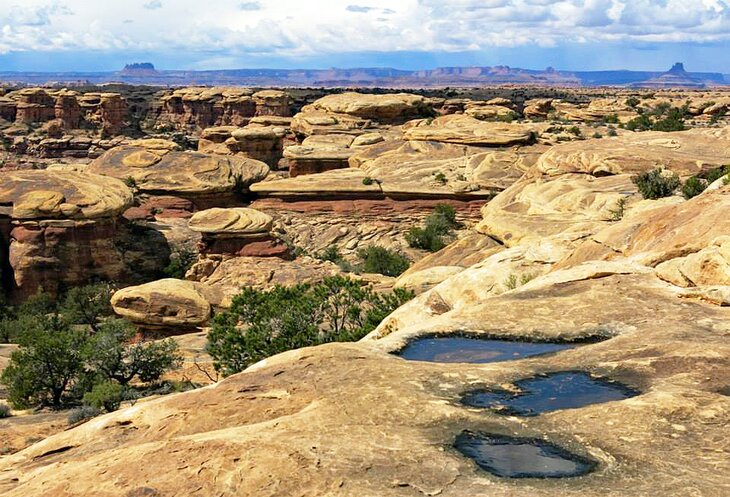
474, 350
509, 457
552, 392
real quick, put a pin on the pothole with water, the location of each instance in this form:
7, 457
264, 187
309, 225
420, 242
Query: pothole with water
510, 457
464, 349
551, 392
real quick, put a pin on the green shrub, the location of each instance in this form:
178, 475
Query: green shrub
641, 123
693, 187
5, 411
181, 260
633, 102
597, 135
330, 254
260, 324
611, 119
107, 395
130, 182
82, 413
440, 177
715, 174
655, 184
383, 261
574, 130
617, 213
437, 225
368, 181
612, 132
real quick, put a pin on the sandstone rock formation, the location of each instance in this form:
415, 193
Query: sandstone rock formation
63, 228
237, 231
466, 130
167, 304
200, 177
265, 144
391, 108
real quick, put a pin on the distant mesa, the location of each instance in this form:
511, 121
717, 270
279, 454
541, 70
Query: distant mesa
139, 69
676, 77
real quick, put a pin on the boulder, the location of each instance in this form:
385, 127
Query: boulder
168, 303
256, 142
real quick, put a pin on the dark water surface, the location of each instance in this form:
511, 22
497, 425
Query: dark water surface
521, 457
567, 390
474, 350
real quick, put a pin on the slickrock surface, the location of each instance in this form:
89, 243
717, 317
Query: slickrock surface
349, 419
380, 108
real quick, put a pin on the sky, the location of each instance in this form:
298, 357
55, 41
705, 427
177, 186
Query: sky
104, 35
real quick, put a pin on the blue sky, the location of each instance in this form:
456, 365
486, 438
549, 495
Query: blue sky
79, 35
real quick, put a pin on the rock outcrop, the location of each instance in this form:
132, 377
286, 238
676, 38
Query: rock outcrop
63, 229
466, 130
205, 179
262, 143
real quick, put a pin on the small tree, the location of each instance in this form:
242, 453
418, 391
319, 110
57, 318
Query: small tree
88, 304
47, 363
437, 225
112, 354
107, 395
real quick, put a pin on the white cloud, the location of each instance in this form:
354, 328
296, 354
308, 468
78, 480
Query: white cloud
310, 27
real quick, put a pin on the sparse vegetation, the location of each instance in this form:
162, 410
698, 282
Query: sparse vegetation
260, 324
383, 261
181, 260
440, 177
611, 119
106, 395
5, 411
663, 117
437, 226
67, 348
367, 181
633, 102
513, 281
612, 132
130, 182
656, 184
574, 130
617, 213
698, 184
83, 413
597, 135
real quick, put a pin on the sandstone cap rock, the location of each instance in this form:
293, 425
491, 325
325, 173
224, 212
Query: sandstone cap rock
467, 130
181, 172
53, 194
235, 221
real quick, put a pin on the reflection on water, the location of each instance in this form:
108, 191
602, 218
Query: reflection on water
474, 350
566, 390
520, 457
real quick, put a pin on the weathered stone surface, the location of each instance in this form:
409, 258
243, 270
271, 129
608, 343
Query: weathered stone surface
315, 122
455, 258
433, 168
180, 173
658, 235
708, 267
303, 422
316, 159
235, 222
684, 152
61, 194
466, 130
272, 103
167, 302
398, 107
198, 108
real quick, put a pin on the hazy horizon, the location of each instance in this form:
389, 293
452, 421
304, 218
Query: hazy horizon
569, 35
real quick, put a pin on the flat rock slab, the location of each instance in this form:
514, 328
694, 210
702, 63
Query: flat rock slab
233, 221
